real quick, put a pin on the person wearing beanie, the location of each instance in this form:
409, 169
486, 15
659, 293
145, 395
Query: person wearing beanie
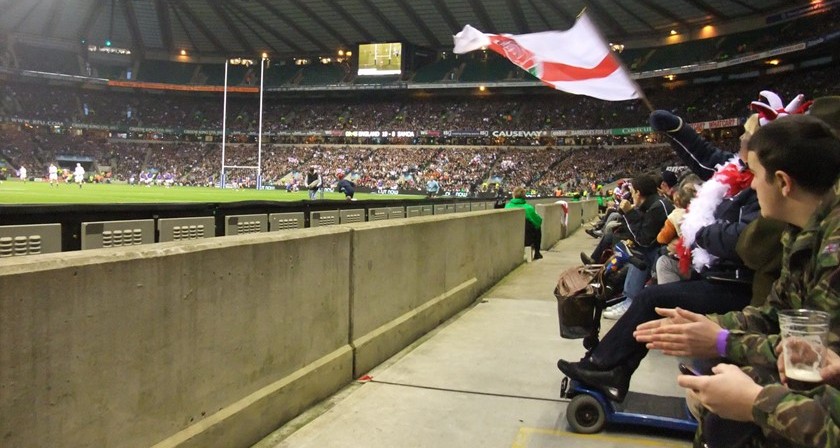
533, 221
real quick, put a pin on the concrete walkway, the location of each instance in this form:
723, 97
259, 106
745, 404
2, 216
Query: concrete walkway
486, 378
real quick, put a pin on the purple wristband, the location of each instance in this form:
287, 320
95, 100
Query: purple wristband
721, 342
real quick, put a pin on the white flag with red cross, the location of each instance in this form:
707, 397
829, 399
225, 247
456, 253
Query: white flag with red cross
577, 60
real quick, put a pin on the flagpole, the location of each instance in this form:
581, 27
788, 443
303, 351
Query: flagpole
641, 92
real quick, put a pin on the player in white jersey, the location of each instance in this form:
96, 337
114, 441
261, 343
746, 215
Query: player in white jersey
53, 175
22, 173
79, 174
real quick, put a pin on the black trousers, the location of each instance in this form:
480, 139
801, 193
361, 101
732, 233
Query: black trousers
533, 237
618, 347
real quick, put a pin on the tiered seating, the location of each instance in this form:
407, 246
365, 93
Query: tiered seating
436, 71
678, 55
322, 74
31, 57
278, 75
491, 69
728, 47
368, 80
634, 58
166, 72
107, 71
215, 74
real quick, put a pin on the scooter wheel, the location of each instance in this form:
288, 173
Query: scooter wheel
585, 414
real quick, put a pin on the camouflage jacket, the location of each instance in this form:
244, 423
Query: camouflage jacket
810, 278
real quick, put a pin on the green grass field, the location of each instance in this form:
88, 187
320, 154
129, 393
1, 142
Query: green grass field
17, 192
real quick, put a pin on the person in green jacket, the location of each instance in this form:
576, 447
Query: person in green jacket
533, 221
796, 161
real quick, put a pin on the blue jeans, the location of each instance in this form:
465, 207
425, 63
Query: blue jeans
636, 278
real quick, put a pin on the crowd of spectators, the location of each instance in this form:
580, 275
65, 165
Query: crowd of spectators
456, 169
585, 168
790, 32
543, 110
460, 169
547, 166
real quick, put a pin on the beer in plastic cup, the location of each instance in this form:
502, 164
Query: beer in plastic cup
804, 334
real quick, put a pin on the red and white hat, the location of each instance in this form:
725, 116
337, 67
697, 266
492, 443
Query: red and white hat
774, 108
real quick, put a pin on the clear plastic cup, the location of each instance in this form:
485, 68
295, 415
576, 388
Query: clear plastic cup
804, 335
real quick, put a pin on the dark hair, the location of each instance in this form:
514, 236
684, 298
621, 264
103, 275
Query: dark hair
802, 146
645, 185
670, 178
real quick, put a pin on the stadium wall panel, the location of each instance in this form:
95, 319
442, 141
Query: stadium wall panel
396, 212
217, 342
242, 224
286, 221
413, 211
553, 224
33, 239
96, 235
411, 275
378, 214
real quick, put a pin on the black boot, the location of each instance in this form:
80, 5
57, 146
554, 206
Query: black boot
613, 383
586, 259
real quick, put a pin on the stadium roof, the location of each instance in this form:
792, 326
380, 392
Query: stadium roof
307, 27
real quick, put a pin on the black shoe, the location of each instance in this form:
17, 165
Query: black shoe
613, 383
537, 256
594, 233
586, 259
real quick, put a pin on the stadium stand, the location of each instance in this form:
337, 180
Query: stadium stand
322, 74
488, 67
280, 74
383, 165
52, 60
531, 110
388, 134
106, 70
166, 72
437, 71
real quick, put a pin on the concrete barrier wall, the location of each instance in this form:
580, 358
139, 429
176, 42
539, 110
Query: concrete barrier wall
409, 276
580, 212
575, 213
589, 210
215, 343
553, 225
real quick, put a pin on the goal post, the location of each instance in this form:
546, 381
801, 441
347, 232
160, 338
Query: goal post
223, 181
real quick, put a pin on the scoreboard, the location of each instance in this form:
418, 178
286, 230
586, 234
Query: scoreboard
380, 59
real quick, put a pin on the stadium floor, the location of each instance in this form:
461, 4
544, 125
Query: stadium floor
485, 378
17, 192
